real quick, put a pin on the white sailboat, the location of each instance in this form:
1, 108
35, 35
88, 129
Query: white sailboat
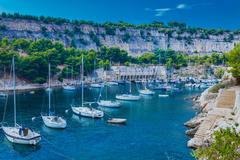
111, 83
50, 120
3, 95
84, 110
69, 87
128, 97
107, 103
17, 133
163, 95
96, 85
146, 91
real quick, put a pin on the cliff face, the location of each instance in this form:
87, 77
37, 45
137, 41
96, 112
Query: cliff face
135, 41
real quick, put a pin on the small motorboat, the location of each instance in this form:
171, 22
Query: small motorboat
96, 85
69, 87
108, 103
88, 112
146, 92
163, 95
117, 120
128, 97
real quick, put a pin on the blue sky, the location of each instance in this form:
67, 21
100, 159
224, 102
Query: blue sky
200, 13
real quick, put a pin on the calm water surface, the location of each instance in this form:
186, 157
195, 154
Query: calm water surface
154, 130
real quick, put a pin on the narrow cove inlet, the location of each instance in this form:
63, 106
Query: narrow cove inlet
93, 80
154, 128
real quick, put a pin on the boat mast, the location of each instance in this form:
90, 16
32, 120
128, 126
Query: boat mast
14, 93
82, 80
130, 86
49, 88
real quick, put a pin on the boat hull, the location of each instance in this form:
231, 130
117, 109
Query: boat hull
61, 124
109, 104
117, 121
96, 85
146, 92
127, 97
69, 88
14, 138
87, 112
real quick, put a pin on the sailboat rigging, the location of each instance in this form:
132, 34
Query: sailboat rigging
17, 133
51, 120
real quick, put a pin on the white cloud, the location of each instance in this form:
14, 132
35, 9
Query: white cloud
181, 6
161, 11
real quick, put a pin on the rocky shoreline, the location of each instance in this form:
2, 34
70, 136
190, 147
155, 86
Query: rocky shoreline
216, 110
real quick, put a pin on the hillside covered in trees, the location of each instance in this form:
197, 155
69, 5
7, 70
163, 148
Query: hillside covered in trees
33, 56
135, 39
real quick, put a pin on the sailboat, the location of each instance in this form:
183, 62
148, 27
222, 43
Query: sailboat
84, 110
51, 120
146, 91
107, 103
69, 87
17, 133
128, 97
95, 84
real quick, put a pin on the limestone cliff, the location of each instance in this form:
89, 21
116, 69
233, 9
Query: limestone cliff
134, 40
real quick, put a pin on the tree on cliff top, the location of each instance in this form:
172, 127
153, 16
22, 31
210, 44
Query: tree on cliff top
233, 58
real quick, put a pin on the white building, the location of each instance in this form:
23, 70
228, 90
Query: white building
133, 72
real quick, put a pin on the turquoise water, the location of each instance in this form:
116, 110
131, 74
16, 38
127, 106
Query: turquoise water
154, 130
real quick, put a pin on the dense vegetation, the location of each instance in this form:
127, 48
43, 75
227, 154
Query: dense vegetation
233, 58
32, 58
224, 147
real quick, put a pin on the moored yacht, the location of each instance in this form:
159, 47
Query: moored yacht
106, 102
3, 95
146, 92
96, 85
128, 97
17, 133
87, 112
84, 110
51, 120
69, 87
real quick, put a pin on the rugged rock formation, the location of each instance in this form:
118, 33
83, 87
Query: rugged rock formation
134, 40
218, 111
